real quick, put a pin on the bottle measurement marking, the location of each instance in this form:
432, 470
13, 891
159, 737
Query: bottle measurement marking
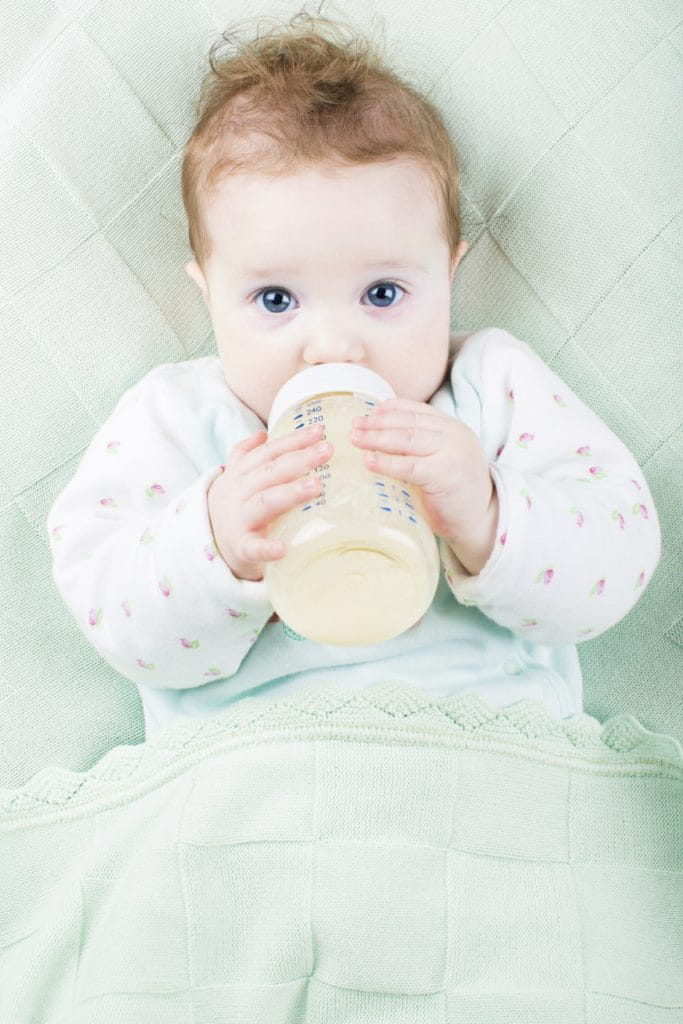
309, 413
382, 493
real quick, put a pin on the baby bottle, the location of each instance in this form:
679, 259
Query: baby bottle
361, 564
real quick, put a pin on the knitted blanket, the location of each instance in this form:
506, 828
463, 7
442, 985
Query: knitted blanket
372, 857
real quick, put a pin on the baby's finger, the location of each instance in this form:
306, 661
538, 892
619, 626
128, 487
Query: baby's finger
405, 468
282, 478
401, 441
259, 549
401, 418
406, 406
266, 503
289, 442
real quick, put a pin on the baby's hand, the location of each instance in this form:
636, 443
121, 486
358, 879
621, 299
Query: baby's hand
261, 480
413, 441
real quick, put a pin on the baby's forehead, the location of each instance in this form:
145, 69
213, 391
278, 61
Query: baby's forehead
394, 197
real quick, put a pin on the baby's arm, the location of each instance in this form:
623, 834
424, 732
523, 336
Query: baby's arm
578, 536
133, 552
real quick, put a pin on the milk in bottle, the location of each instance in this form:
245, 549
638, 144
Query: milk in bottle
361, 565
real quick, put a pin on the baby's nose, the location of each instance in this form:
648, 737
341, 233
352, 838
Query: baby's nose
334, 346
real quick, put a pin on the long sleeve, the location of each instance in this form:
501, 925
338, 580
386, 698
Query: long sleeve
133, 552
578, 537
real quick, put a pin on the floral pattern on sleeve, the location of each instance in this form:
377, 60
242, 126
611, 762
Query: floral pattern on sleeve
581, 537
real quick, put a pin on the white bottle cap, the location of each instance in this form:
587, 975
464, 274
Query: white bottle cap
317, 380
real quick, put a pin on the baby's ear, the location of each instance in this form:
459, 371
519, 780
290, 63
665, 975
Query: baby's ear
195, 272
459, 253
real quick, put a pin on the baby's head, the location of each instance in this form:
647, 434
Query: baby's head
321, 194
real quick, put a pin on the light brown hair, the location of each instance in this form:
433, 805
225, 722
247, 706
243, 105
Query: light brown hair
303, 94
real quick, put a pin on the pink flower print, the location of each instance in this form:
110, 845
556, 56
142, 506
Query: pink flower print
503, 537
619, 518
597, 588
113, 447
547, 575
213, 671
585, 449
642, 509
502, 448
529, 622
560, 401
574, 511
126, 608
523, 440
94, 617
236, 614
108, 503
637, 484
165, 586
597, 472
181, 506
511, 395
154, 489
146, 537
525, 494
640, 581
189, 643
210, 551
145, 664
56, 532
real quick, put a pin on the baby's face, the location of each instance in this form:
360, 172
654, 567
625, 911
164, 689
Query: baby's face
328, 265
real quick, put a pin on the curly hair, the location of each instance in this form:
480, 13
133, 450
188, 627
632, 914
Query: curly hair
304, 94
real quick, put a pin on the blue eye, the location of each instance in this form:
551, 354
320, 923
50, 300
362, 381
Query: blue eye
383, 287
274, 295
279, 297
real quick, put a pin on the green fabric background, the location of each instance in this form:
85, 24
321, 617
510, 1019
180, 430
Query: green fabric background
567, 121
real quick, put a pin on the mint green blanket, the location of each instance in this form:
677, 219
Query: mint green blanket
371, 857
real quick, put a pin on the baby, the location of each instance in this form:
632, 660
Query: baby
322, 199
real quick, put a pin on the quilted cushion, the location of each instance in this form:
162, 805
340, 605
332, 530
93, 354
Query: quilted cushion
567, 123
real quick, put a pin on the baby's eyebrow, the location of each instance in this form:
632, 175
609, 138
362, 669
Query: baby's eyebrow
375, 265
394, 265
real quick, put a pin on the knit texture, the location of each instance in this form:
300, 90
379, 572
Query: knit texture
567, 120
371, 856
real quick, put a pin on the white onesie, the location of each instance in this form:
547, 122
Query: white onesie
134, 557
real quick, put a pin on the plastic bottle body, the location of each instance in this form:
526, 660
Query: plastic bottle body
362, 566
